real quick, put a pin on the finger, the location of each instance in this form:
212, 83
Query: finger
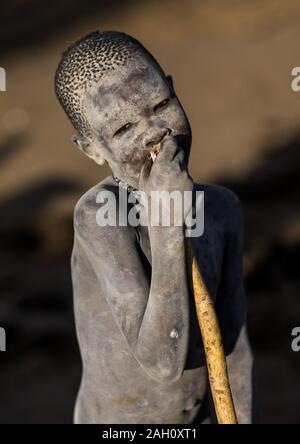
168, 150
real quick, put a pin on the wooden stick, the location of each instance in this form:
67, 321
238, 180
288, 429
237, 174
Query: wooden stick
213, 346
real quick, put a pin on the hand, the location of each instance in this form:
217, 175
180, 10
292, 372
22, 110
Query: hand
168, 174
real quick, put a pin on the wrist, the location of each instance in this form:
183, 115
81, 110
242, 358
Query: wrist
166, 233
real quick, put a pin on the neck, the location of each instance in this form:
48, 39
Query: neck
130, 189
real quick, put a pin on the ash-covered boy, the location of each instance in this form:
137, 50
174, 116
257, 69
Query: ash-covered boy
141, 348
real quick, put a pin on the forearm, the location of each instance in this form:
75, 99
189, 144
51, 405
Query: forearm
163, 335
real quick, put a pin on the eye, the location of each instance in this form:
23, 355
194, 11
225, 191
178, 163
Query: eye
161, 104
123, 128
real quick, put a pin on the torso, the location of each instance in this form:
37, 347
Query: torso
114, 388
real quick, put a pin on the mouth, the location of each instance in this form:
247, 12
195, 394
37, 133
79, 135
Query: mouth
154, 152
182, 139
151, 157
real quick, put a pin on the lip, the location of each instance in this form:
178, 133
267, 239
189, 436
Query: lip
183, 141
139, 158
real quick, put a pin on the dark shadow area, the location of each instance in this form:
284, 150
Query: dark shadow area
270, 199
11, 145
39, 381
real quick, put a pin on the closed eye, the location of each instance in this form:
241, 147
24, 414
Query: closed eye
161, 105
123, 128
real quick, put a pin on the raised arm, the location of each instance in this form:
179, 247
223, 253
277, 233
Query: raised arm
231, 310
153, 317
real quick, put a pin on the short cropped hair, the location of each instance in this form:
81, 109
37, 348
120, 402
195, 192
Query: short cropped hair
85, 62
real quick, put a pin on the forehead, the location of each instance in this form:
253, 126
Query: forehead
125, 90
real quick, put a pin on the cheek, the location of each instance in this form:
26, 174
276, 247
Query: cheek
128, 149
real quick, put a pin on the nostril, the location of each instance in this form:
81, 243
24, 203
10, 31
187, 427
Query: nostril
149, 144
157, 140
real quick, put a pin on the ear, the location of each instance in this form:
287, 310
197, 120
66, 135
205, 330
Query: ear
171, 84
81, 142
88, 148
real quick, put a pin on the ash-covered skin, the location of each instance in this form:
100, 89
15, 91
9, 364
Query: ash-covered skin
130, 111
141, 348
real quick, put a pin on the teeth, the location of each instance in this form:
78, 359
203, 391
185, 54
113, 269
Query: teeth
154, 151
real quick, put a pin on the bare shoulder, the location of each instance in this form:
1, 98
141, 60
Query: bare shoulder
86, 207
222, 206
85, 212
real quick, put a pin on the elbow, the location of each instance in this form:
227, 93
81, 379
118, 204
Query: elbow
164, 364
173, 376
165, 375
166, 369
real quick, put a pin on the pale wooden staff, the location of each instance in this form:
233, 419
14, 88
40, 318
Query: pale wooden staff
212, 339
213, 346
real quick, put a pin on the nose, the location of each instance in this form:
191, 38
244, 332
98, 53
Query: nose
156, 136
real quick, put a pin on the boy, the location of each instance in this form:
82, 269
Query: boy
140, 342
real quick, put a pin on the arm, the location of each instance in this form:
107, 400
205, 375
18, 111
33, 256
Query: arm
164, 332
231, 310
146, 314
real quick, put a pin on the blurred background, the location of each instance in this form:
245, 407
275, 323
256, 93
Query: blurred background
231, 62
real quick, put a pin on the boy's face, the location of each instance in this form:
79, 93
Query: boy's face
130, 110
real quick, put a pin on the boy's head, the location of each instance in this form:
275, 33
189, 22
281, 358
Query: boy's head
119, 101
